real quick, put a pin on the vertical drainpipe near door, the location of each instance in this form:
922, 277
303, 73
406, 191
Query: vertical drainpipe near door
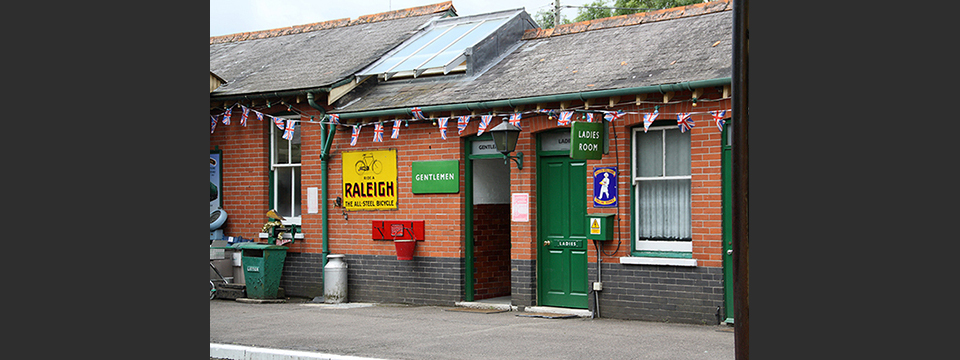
327, 140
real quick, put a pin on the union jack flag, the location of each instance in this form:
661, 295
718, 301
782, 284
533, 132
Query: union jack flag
243, 119
378, 132
396, 130
288, 132
649, 118
356, 134
515, 119
462, 123
226, 115
611, 116
443, 127
259, 115
417, 113
589, 117
277, 121
718, 117
684, 122
335, 118
484, 121
213, 123
565, 117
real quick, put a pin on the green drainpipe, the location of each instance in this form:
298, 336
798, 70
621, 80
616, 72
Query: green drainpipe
327, 140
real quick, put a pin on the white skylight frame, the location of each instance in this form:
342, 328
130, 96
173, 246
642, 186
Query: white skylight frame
418, 55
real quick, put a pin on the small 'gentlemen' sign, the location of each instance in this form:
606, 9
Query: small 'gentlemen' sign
435, 177
586, 140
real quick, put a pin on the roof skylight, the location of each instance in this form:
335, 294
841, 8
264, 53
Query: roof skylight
439, 50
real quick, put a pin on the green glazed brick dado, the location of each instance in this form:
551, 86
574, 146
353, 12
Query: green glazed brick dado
262, 266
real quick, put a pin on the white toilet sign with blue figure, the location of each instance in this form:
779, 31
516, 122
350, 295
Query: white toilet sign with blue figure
605, 187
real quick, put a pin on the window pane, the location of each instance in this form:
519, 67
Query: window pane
295, 145
296, 191
678, 153
664, 209
280, 147
650, 153
283, 199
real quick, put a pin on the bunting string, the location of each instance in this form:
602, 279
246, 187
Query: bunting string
564, 117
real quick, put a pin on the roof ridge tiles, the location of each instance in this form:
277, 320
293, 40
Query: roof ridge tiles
330, 24
631, 19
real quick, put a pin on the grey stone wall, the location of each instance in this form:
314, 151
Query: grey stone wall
421, 281
659, 293
302, 275
523, 282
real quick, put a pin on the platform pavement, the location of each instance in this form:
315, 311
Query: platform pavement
303, 329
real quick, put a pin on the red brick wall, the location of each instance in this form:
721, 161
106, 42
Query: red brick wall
491, 242
245, 182
244, 170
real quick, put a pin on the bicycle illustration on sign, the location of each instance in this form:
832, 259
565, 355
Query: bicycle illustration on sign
368, 163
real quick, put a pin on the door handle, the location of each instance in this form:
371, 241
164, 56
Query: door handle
546, 243
730, 252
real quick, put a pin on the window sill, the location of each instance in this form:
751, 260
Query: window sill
640, 260
286, 235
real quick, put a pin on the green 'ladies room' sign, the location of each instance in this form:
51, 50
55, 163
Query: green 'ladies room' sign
586, 140
435, 177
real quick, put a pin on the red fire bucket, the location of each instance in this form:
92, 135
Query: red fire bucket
405, 249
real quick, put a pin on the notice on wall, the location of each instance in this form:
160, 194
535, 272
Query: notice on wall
312, 200
520, 207
370, 180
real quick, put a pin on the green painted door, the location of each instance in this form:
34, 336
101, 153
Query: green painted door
562, 236
726, 167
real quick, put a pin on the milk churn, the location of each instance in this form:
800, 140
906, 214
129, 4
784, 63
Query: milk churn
335, 280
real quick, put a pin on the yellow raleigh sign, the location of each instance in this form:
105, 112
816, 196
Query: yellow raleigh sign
370, 179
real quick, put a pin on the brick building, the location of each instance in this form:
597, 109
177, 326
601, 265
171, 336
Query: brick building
423, 159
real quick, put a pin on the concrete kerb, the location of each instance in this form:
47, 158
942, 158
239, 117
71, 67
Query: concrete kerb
226, 351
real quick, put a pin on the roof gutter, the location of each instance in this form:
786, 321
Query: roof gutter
582, 95
279, 94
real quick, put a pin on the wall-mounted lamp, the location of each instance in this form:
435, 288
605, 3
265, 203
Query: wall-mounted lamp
505, 138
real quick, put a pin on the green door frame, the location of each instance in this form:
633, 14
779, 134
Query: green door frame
541, 155
468, 258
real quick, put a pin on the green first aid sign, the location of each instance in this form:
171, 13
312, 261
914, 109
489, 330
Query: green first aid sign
586, 140
435, 177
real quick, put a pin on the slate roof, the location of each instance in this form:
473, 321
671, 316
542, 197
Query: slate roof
312, 55
662, 47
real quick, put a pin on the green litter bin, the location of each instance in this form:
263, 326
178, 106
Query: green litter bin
262, 265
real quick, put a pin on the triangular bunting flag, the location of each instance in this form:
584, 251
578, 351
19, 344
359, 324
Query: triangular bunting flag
515, 119
484, 121
684, 122
565, 118
649, 118
378, 132
356, 134
396, 130
718, 118
442, 122
243, 119
462, 123
288, 132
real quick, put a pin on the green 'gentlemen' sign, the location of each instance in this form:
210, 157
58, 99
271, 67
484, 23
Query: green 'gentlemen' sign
435, 177
586, 140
